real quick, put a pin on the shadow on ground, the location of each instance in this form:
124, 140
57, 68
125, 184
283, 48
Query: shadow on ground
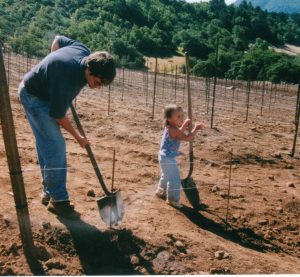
103, 252
245, 237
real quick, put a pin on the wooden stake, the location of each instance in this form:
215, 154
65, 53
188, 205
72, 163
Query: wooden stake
147, 85
175, 83
14, 163
108, 109
297, 116
248, 99
215, 84
154, 89
262, 97
123, 81
229, 188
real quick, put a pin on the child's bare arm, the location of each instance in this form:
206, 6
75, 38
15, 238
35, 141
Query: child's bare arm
185, 124
178, 134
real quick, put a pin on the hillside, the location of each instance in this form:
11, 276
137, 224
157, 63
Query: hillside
286, 6
133, 29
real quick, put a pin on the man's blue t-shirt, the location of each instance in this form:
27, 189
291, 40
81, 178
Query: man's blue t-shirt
60, 76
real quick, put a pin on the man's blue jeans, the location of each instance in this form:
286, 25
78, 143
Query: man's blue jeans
50, 145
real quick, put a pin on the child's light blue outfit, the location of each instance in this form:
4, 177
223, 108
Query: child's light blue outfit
170, 178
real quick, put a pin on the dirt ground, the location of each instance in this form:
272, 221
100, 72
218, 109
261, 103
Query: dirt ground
262, 235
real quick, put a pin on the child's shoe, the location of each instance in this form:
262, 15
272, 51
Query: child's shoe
161, 195
174, 204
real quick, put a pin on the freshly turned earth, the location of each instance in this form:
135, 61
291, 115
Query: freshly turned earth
262, 235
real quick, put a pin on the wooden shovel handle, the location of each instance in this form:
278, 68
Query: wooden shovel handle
90, 152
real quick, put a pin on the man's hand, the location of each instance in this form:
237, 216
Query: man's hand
83, 141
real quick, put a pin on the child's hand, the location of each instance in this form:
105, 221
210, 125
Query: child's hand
187, 123
199, 126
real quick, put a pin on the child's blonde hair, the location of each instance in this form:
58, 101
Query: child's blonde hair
169, 111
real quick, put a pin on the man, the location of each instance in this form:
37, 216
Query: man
46, 94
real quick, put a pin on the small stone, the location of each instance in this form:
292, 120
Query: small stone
289, 166
263, 222
235, 217
13, 249
294, 232
279, 209
215, 188
271, 177
278, 155
7, 221
55, 265
220, 270
284, 191
179, 244
46, 225
291, 185
134, 260
43, 254
220, 254
91, 193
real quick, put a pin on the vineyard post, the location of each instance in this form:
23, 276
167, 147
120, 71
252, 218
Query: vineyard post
225, 90
175, 84
271, 95
123, 81
8, 66
215, 84
262, 97
237, 89
232, 101
297, 103
27, 65
108, 108
147, 85
256, 90
208, 95
297, 116
229, 188
275, 98
163, 82
14, 164
154, 88
248, 99
19, 68
128, 80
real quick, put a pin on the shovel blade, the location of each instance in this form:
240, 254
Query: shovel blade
111, 208
191, 192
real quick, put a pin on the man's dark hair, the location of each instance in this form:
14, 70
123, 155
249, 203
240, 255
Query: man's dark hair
101, 64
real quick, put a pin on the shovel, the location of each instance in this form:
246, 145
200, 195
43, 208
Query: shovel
188, 184
111, 205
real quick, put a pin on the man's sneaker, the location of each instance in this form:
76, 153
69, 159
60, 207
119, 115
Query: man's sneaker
161, 195
45, 199
63, 209
174, 204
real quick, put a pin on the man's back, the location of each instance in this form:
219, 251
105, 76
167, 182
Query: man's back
60, 76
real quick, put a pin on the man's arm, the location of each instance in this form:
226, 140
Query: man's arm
66, 124
55, 44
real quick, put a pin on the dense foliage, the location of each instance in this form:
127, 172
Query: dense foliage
132, 29
287, 6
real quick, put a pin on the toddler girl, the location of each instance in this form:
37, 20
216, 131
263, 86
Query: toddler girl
169, 183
